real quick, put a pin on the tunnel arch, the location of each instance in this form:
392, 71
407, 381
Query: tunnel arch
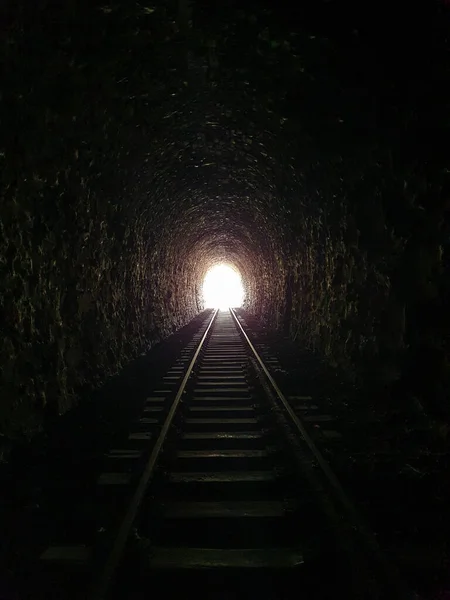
138, 153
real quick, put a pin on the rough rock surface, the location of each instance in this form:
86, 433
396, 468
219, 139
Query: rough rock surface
145, 142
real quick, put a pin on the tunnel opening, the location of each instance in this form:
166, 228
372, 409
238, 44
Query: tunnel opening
223, 287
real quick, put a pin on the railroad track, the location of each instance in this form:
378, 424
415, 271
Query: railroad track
219, 488
404, 505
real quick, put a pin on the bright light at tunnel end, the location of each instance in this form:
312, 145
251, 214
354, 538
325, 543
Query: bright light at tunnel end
222, 288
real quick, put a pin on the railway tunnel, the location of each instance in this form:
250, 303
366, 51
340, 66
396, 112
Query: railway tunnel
146, 143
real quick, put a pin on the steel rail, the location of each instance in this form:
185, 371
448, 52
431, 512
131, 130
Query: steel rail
402, 593
101, 586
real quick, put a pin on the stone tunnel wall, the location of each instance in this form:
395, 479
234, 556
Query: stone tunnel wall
369, 280
139, 152
105, 233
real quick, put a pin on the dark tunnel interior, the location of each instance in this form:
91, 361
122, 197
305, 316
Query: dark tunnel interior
143, 143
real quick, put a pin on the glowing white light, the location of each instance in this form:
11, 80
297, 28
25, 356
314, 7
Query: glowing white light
222, 288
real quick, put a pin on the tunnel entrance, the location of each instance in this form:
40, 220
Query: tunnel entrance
223, 287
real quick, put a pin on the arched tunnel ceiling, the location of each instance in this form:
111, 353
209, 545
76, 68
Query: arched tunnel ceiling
145, 142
